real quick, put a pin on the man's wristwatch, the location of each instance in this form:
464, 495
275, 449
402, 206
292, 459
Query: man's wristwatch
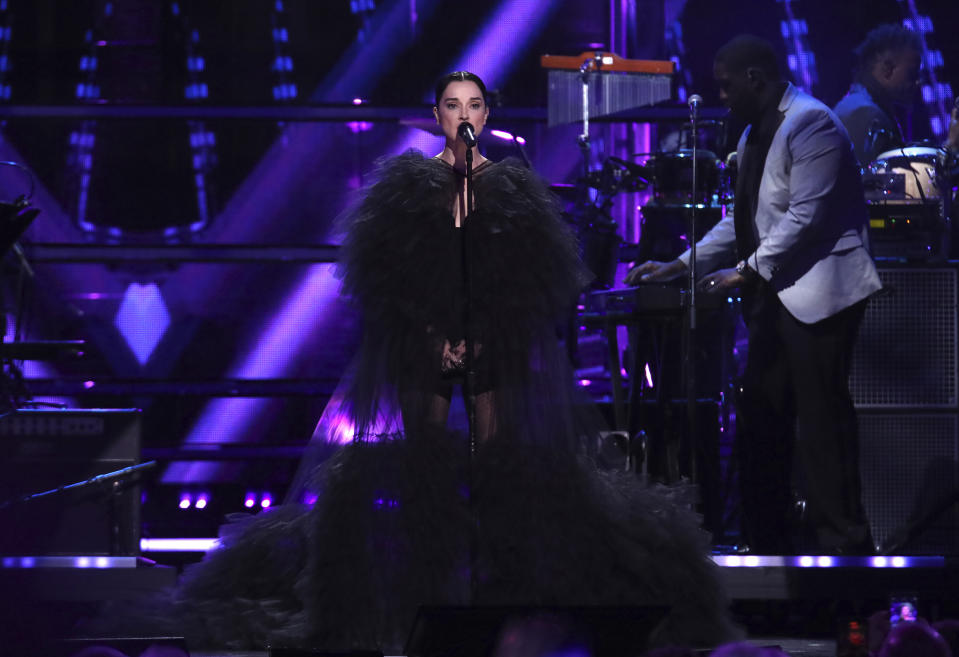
746, 271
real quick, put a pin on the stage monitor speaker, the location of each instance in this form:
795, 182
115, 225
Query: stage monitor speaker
478, 631
906, 354
44, 450
910, 474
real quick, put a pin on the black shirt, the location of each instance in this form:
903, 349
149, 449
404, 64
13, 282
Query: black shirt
752, 161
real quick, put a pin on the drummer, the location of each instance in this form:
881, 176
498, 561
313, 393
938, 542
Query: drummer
886, 76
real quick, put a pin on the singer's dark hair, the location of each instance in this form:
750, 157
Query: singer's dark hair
458, 76
887, 38
749, 51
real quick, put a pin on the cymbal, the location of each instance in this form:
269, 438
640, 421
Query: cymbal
565, 191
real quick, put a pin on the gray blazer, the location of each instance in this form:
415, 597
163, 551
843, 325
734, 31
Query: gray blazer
810, 219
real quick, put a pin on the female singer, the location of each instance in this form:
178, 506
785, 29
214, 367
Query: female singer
407, 514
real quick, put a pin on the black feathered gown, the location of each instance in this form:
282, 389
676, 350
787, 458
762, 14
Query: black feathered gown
400, 510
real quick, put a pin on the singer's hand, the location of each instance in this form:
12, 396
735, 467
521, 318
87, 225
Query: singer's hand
653, 271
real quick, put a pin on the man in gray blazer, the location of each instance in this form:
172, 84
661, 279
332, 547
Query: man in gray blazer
796, 245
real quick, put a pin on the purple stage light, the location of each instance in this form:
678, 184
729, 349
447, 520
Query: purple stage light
649, 376
178, 544
142, 319
201, 502
878, 562
82, 562
249, 501
501, 134
266, 501
185, 501
899, 562
807, 562
584, 382
824, 562
357, 127
357, 101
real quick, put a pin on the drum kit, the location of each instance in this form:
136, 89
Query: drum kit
667, 177
908, 192
909, 196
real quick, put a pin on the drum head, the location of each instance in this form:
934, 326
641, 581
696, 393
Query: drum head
910, 152
904, 175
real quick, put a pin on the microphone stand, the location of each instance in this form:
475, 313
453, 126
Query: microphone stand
689, 362
469, 390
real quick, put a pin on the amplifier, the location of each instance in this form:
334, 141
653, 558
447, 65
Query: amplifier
44, 450
910, 479
911, 230
905, 356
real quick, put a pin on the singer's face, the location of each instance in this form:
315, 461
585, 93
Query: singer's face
461, 101
736, 91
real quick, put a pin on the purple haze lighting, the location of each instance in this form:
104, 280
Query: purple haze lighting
266, 501
515, 22
201, 502
501, 134
357, 71
142, 319
584, 382
520, 141
357, 101
185, 502
270, 357
249, 501
88, 384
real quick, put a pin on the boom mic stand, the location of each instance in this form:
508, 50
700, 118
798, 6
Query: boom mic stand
467, 133
689, 362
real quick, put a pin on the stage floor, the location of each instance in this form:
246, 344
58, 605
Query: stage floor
795, 647
797, 603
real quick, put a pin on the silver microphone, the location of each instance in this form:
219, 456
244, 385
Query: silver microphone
694, 102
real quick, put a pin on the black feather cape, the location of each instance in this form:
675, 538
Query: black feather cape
403, 520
